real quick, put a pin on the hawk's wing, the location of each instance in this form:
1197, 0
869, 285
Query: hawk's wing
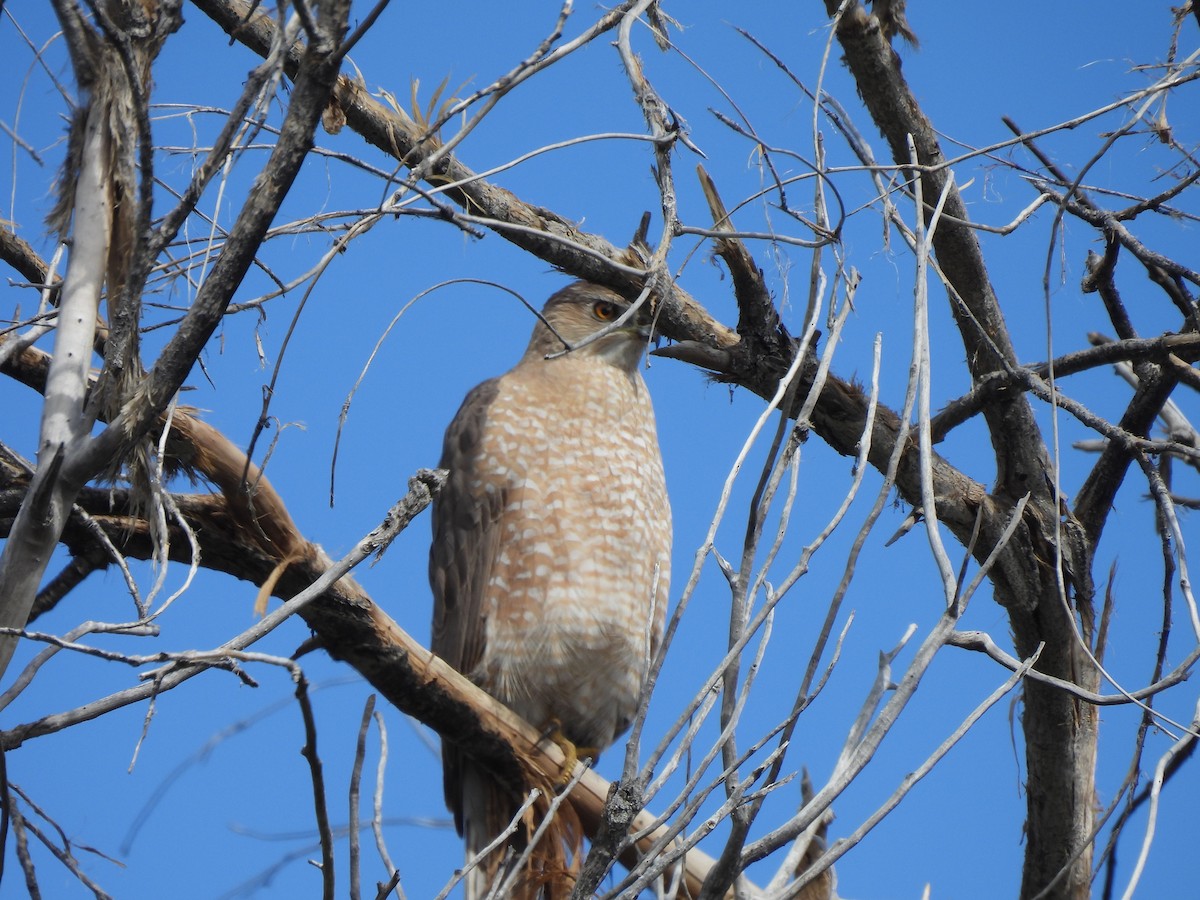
466, 535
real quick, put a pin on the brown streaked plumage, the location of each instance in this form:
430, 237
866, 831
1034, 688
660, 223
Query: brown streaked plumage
550, 561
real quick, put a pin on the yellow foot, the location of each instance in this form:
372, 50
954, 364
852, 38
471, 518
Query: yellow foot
573, 754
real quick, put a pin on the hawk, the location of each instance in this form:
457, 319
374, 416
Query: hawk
551, 555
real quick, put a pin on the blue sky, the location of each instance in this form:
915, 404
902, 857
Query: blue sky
240, 807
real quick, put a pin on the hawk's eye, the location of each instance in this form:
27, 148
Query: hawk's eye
605, 311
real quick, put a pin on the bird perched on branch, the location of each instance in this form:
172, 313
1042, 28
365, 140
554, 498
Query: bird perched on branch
550, 562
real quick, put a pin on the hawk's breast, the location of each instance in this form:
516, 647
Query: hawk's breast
576, 599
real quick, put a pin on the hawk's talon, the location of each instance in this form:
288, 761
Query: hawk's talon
572, 754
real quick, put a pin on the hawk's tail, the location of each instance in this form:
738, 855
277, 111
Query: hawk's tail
512, 869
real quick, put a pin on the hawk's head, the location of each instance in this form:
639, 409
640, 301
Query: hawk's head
573, 317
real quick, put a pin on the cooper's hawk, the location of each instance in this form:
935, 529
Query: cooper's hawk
551, 548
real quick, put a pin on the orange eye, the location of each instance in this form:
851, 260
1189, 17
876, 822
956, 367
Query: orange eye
605, 311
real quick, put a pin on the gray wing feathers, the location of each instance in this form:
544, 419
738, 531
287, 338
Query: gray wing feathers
465, 539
